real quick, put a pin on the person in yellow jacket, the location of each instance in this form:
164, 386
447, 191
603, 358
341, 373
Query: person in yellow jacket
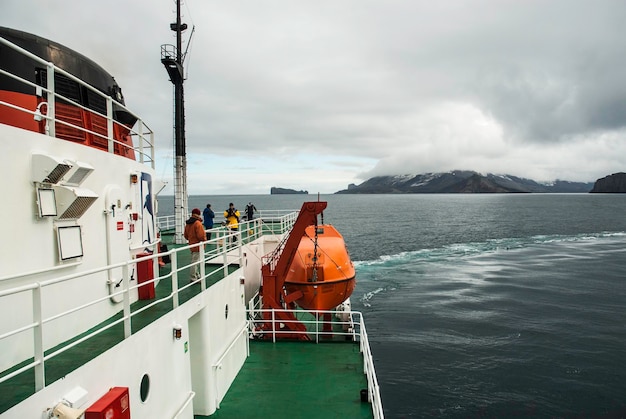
232, 218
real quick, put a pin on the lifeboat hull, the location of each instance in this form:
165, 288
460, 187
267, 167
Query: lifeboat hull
324, 277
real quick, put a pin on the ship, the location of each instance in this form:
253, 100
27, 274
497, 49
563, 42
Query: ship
100, 316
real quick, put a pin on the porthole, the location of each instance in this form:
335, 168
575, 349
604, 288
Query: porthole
226, 312
144, 388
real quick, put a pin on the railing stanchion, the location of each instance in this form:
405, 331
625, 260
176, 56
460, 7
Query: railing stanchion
110, 137
227, 237
152, 151
51, 99
140, 136
40, 374
174, 264
240, 245
126, 281
202, 268
317, 327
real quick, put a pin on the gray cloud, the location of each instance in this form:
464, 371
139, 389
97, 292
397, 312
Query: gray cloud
532, 88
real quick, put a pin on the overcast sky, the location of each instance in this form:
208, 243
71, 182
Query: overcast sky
318, 94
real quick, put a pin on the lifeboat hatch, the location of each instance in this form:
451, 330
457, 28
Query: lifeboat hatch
315, 274
73, 202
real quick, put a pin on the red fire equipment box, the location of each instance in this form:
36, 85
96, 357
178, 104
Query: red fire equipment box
113, 405
145, 272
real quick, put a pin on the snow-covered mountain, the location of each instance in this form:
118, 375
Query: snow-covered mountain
463, 181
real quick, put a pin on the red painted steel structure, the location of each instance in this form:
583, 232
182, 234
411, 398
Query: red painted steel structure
275, 272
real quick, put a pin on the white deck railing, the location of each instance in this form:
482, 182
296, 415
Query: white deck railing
229, 252
143, 136
349, 324
285, 219
226, 252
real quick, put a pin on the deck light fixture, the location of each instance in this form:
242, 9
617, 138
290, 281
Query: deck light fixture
178, 331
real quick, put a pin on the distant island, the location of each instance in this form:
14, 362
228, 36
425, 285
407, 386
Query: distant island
463, 181
283, 191
615, 183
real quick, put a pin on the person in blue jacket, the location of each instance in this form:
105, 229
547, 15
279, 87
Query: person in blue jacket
208, 216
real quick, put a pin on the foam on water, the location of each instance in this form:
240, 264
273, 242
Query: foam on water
525, 327
456, 250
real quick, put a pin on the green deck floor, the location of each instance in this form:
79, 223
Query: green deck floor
328, 379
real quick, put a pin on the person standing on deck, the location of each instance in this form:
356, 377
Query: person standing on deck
208, 216
194, 233
232, 218
250, 209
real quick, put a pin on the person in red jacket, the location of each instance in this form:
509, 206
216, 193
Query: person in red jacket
194, 233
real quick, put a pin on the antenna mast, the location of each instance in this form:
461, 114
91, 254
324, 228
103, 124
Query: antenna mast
172, 59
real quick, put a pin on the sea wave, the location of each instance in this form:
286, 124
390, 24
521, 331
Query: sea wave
457, 250
369, 295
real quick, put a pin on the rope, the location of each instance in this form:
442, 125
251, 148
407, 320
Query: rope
330, 258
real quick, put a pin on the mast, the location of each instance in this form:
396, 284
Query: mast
172, 59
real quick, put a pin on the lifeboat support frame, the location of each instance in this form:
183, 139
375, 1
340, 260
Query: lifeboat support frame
274, 270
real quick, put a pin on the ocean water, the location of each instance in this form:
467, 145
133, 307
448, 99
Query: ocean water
489, 306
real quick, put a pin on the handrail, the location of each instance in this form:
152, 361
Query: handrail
372, 380
356, 322
218, 364
167, 222
188, 400
39, 324
37, 272
143, 133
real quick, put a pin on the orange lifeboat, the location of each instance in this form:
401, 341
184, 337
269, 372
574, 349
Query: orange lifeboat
321, 275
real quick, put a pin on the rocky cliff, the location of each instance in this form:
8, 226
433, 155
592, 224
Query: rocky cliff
281, 191
615, 183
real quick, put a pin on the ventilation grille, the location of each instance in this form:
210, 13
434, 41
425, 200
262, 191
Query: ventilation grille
78, 207
57, 173
71, 202
79, 175
73, 117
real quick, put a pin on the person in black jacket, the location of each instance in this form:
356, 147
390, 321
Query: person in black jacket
250, 209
